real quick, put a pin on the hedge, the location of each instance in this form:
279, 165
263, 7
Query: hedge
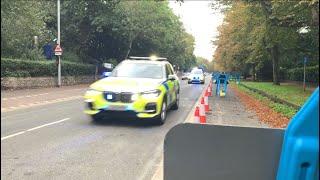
27, 68
296, 74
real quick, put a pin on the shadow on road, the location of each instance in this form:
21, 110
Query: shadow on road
133, 122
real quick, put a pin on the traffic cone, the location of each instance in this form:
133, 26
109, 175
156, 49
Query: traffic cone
206, 103
209, 90
197, 115
202, 112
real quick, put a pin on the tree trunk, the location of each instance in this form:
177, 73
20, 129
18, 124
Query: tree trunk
254, 73
96, 73
129, 49
315, 15
275, 64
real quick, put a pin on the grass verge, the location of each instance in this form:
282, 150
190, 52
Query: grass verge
285, 110
289, 92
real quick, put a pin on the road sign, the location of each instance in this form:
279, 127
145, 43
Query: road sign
58, 50
305, 60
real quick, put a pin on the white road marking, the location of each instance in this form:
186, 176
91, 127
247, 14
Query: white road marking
38, 127
35, 128
12, 135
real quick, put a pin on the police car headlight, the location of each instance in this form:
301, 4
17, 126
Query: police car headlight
92, 92
151, 94
134, 97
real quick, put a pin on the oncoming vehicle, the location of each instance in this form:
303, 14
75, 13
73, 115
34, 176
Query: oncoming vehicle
196, 76
140, 88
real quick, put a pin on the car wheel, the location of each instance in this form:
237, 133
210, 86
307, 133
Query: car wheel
96, 117
175, 106
161, 118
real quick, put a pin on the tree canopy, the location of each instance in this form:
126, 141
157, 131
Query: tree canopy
97, 31
263, 37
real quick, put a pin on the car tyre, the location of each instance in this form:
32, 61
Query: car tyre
95, 117
161, 118
175, 106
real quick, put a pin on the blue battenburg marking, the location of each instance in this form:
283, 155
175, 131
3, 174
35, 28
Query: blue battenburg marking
166, 86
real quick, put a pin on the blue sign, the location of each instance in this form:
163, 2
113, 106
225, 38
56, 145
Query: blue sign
305, 60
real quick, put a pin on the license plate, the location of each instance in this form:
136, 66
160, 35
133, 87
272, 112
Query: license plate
117, 108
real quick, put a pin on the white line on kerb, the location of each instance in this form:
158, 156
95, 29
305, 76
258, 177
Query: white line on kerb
32, 129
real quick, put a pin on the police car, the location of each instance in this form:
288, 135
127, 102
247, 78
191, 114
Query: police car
196, 76
142, 87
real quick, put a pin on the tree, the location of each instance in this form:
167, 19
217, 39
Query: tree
258, 32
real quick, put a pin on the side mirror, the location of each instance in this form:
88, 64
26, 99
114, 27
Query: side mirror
171, 77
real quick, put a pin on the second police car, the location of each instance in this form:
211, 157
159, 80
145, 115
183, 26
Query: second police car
138, 87
196, 76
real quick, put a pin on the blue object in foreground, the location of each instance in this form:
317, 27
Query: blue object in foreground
300, 149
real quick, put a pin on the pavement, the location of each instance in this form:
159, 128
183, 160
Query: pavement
228, 110
45, 135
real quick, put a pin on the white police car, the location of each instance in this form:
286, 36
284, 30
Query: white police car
196, 76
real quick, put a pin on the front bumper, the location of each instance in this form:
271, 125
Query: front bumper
195, 81
141, 108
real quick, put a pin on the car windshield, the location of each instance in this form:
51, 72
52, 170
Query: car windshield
138, 70
198, 71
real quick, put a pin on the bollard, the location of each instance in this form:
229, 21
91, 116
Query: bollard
206, 103
202, 112
197, 115
209, 90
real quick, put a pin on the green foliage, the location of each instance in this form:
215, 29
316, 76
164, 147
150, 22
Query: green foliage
99, 30
290, 93
71, 57
93, 31
296, 74
26, 68
280, 108
259, 35
20, 22
283, 109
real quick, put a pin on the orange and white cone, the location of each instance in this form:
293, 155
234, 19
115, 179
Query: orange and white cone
197, 115
209, 90
202, 112
206, 103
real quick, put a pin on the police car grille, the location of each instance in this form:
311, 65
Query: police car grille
116, 97
126, 97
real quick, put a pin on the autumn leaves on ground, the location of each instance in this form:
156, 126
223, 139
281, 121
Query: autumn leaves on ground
263, 111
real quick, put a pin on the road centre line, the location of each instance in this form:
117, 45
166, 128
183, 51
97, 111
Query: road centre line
35, 128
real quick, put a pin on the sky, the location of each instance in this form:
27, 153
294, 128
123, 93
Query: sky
200, 21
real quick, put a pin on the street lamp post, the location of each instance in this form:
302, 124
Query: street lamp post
58, 42
304, 30
304, 73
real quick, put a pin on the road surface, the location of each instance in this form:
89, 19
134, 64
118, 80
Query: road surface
45, 135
